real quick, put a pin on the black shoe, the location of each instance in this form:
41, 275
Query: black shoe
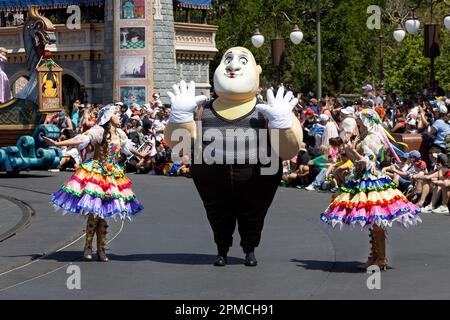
250, 260
221, 261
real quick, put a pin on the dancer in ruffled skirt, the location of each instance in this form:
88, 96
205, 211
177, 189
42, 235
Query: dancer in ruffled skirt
99, 189
368, 197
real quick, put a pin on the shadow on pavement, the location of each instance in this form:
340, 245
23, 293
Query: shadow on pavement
174, 258
23, 175
330, 266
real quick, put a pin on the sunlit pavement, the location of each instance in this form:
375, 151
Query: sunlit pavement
167, 252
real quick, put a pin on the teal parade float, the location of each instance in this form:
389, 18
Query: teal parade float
20, 116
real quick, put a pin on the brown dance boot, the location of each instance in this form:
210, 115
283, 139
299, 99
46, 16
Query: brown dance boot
91, 226
102, 227
373, 252
380, 238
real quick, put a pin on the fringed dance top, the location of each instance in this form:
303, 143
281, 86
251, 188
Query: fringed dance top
369, 197
99, 186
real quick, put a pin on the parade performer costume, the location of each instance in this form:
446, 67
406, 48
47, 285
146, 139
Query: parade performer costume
368, 197
233, 187
99, 189
5, 91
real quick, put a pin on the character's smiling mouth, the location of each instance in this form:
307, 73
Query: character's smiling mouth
232, 74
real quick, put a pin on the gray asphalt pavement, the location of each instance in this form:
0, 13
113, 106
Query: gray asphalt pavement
167, 252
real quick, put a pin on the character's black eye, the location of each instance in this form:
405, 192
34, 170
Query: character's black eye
243, 60
228, 60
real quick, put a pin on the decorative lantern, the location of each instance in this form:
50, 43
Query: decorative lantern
49, 85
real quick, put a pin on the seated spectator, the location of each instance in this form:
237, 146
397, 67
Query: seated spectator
318, 129
63, 121
137, 136
440, 128
429, 185
71, 158
335, 146
319, 168
300, 175
341, 170
403, 176
181, 168
159, 125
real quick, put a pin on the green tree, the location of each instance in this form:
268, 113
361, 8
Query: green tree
407, 70
350, 51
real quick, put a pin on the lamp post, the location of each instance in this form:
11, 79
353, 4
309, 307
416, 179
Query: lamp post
381, 87
319, 52
277, 45
431, 34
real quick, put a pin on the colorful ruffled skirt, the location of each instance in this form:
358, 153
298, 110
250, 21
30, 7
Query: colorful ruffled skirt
103, 192
372, 199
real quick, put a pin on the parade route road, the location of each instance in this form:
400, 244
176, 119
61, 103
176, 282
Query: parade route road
167, 252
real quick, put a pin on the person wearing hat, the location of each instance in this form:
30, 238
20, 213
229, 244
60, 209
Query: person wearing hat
348, 126
5, 88
330, 131
157, 100
369, 92
411, 124
124, 108
403, 176
300, 175
318, 129
440, 128
423, 179
309, 121
99, 189
64, 121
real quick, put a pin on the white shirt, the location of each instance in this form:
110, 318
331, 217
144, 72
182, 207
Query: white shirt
152, 151
330, 131
159, 125
129, 113
350, 127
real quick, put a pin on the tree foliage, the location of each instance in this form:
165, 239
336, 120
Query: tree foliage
350, 51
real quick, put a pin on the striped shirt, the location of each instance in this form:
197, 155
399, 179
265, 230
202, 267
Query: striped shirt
233, 141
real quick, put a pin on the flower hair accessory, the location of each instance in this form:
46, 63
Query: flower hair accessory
370, 118
106, 113
372, 122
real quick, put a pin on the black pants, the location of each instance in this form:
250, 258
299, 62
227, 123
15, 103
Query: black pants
236, 193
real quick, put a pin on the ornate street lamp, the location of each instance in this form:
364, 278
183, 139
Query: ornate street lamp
257, 38
277, 44
412, 25
399, 34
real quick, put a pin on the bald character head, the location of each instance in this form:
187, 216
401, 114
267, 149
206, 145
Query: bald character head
237, 76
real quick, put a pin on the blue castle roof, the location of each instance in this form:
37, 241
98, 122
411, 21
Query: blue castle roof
13, 5
195, 4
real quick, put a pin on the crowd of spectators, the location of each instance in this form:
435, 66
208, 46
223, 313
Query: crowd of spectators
329, 125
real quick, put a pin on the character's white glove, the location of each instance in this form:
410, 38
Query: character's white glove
184, 102
279, 110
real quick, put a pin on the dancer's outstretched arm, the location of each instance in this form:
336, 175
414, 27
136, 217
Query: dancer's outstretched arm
74, 142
